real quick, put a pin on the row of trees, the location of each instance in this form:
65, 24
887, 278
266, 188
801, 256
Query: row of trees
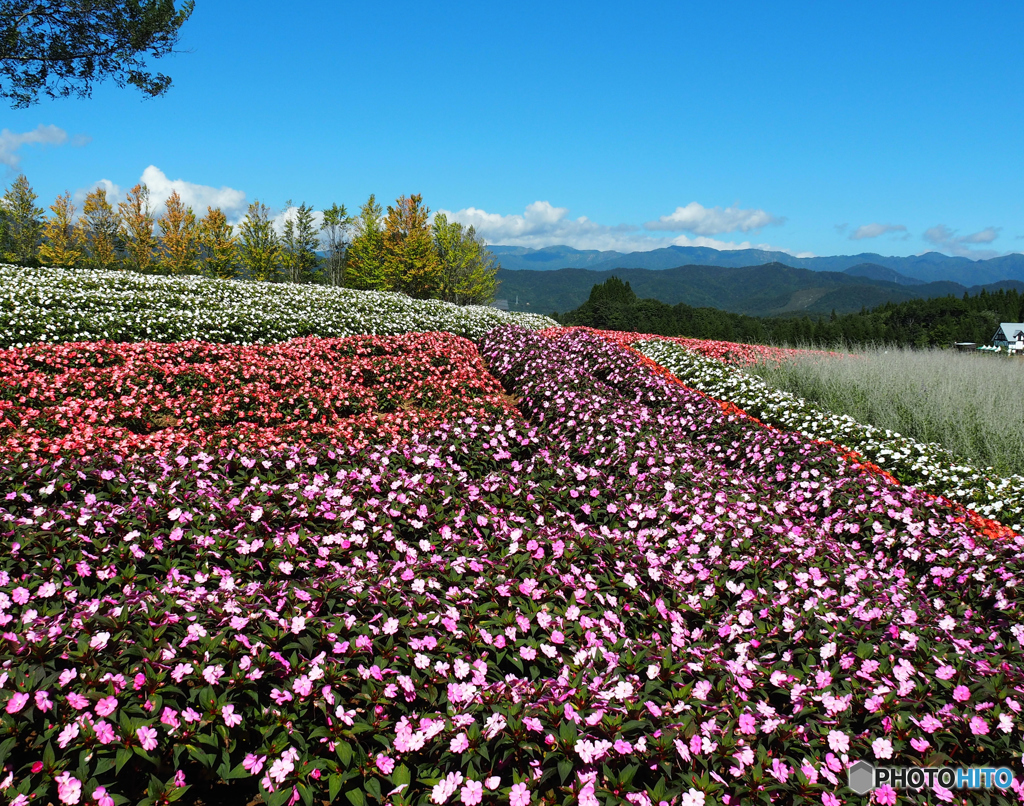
401, 249
613, 305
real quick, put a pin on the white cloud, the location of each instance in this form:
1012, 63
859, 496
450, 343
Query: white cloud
542, 224
114, 193
11, 142
701, 220
945, 238
289, 215
198, 197
874, 230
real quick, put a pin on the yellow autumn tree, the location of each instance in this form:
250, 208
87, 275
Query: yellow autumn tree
179, 243
100, 231
410, 261
62, 239
218, 247
137, 229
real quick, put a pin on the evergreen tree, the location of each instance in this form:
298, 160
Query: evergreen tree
467, 274
100, 228
336, 229
218, 247
179, 239
259, 246
136, 220
23, 224
364, 267
62, 239
411, 264
299, 257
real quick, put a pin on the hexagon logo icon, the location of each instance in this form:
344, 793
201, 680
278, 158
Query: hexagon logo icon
862, 777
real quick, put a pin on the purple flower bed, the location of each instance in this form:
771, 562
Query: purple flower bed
631, 596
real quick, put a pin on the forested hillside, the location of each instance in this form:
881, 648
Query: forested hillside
613, 305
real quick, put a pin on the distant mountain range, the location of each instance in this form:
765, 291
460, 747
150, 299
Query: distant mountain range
763, 290
927, 268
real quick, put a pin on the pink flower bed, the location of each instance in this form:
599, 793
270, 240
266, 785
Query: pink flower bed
630, 594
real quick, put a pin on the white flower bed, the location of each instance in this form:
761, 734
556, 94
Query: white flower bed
62, 305
926, 466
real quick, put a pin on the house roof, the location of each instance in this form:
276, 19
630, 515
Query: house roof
1009, 330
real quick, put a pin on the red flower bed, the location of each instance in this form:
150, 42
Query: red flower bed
148, 397
726, 351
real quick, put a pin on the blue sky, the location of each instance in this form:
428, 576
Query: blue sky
818, 128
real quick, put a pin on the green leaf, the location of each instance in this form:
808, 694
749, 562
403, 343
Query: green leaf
564, 769
334, 787
401, 775
344, 750
5, 748
356, 797
278, 797
123, 756
373, 787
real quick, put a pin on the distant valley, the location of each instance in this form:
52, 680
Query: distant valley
756, 290
927, 268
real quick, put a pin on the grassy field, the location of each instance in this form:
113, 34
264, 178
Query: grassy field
968, 403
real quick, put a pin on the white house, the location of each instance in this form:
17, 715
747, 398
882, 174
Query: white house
1010, 335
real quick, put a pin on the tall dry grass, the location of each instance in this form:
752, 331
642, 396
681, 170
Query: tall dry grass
969, 403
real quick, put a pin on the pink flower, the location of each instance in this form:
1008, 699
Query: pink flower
302, 686
67, 735
253, 763
230, 717
147, 737
979, 727
69, 788
472, 793
961, 694
17, 702
828, 799
169, 717
929, 724
101, 797
519, 796
945, 672
460, 744
493, 782
920, 745
838, 741
43, 701
106, 706
882, 748
104, 732
385, 764
748, 724
885, 795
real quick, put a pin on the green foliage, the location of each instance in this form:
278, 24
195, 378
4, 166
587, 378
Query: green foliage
917, 323
410, 262
365, 257
22, 225
467, 269
337, 232
299, 259
59, 49
259, 246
